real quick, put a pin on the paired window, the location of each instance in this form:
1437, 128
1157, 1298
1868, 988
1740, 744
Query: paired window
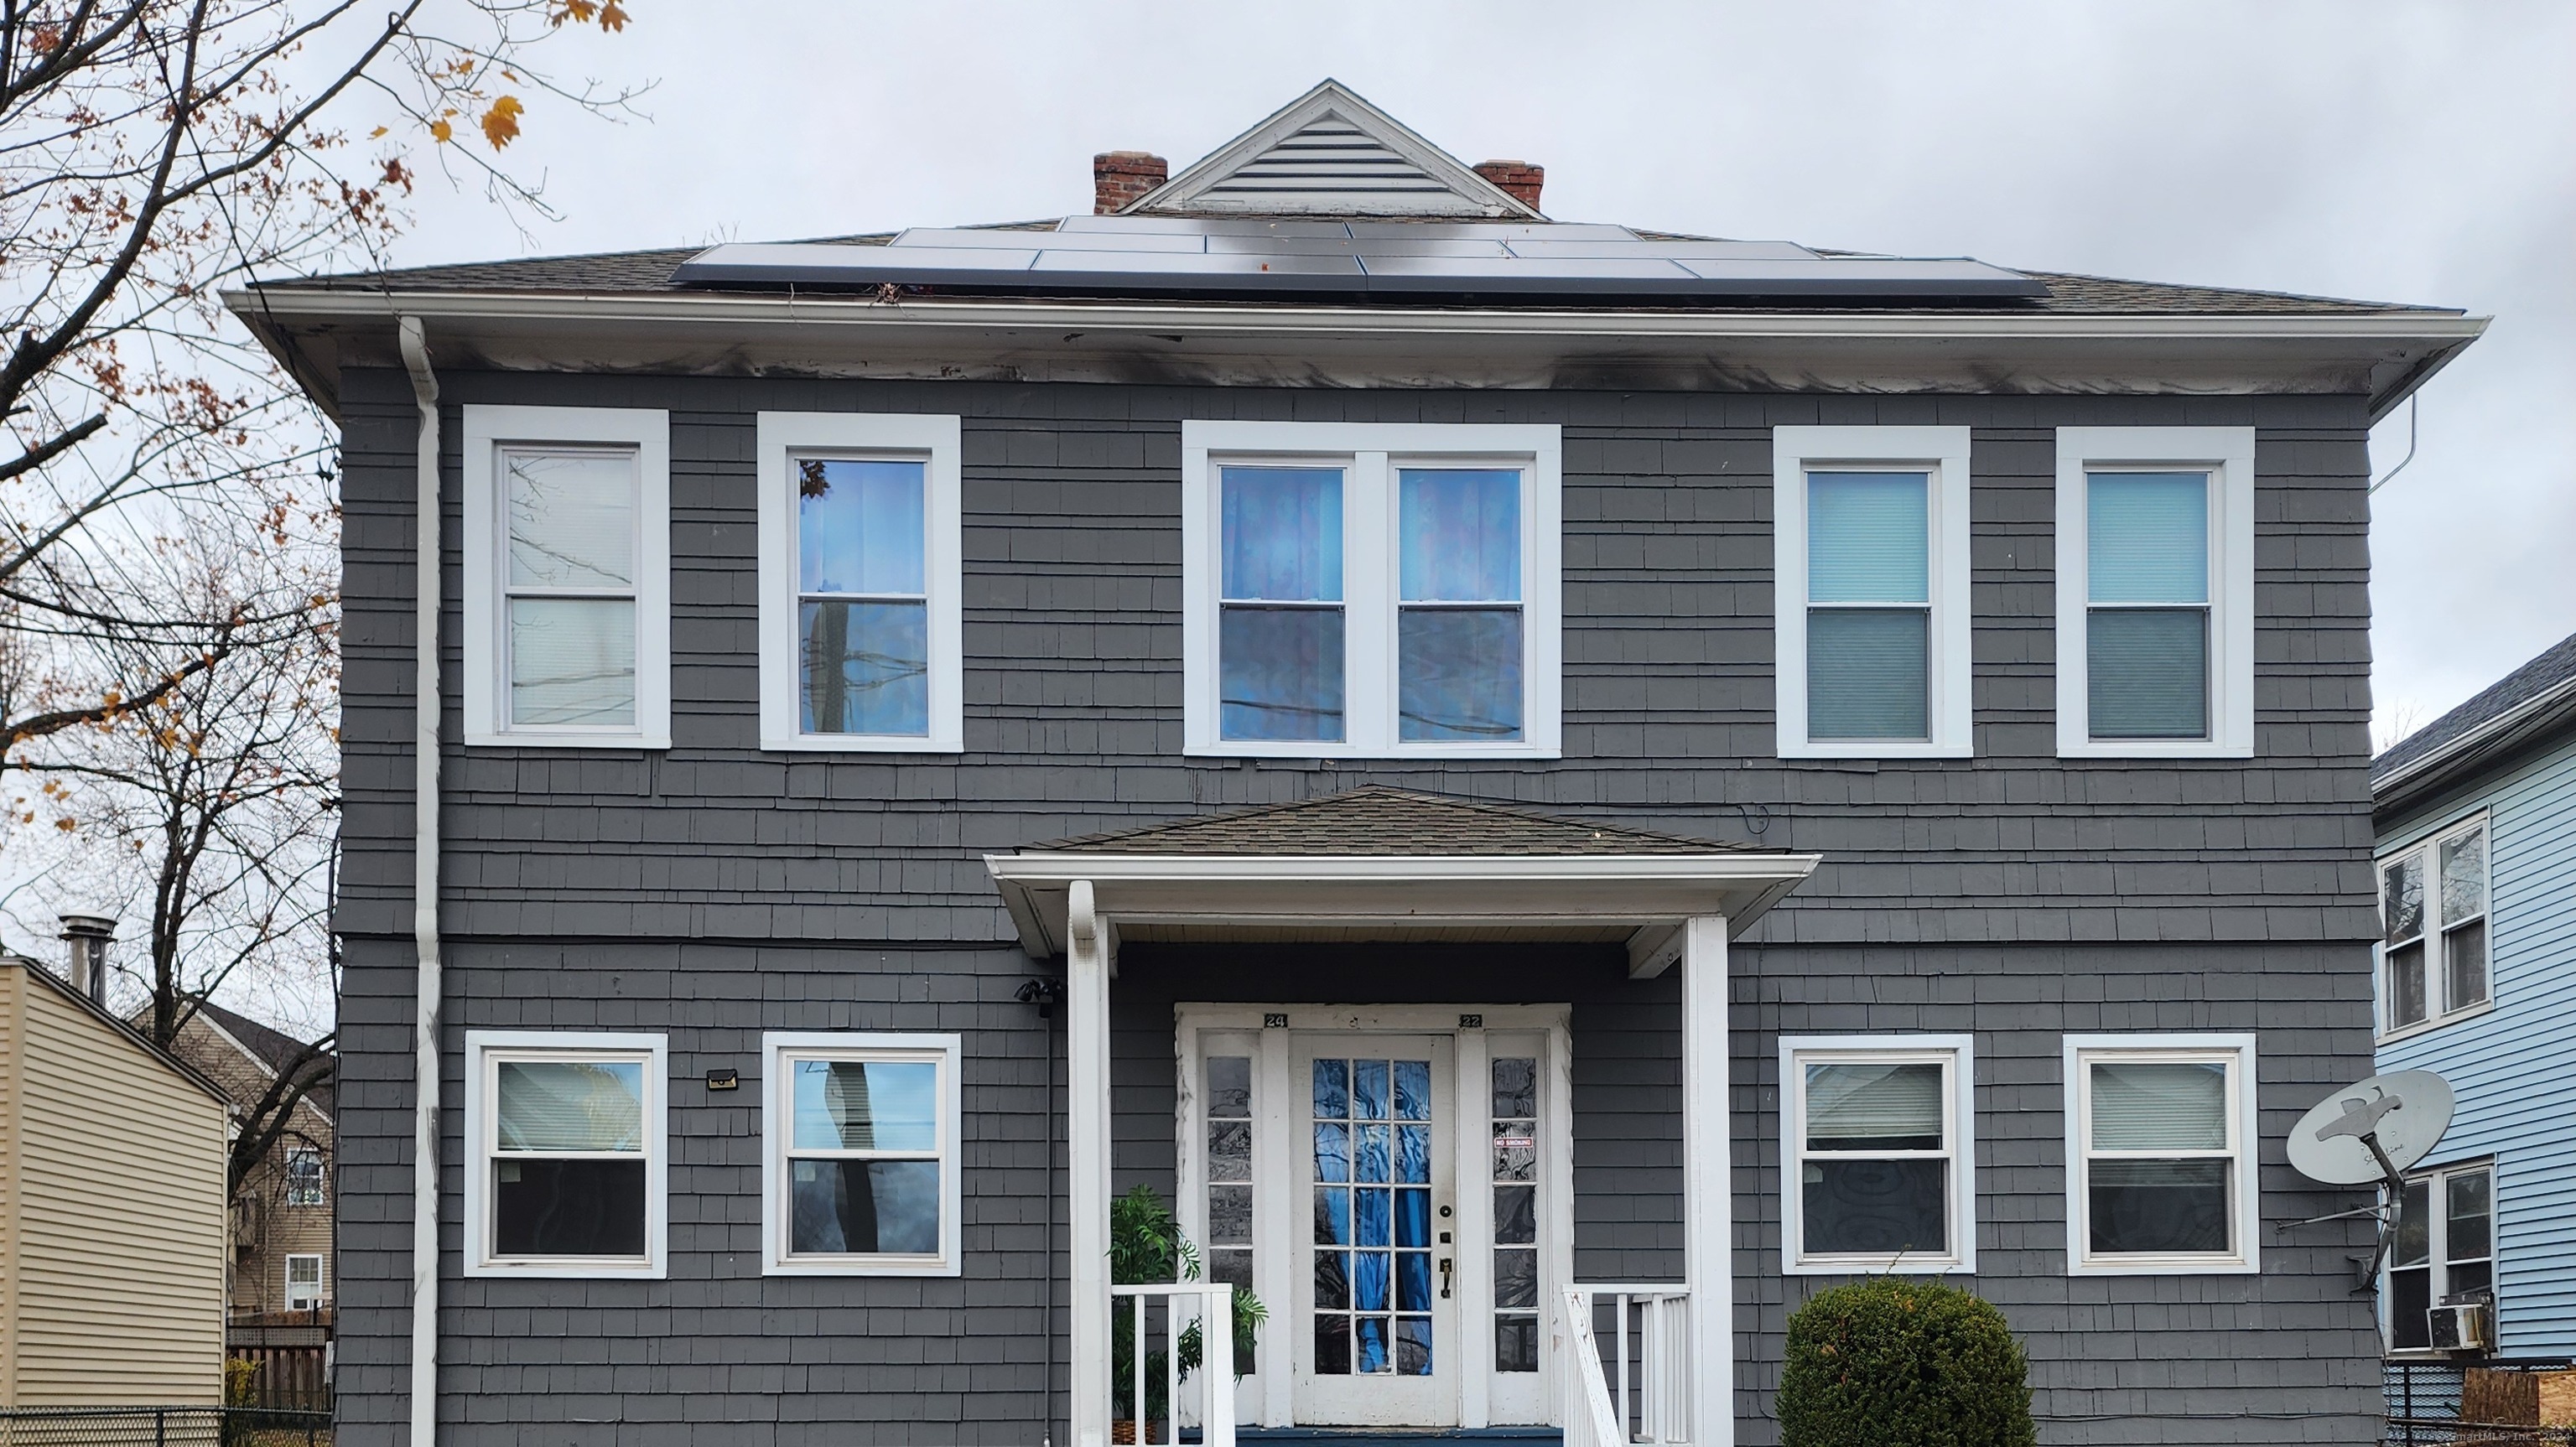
1878, 1151
304, 1176
2433, 905
860, 1172
567, 576
304, 1290
1870, 539
1370, 590
2443, 1251
2160, 1163
566, 1140
2155, 592
860, 540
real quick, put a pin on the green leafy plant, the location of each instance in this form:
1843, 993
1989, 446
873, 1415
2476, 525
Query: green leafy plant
1901, 1363
1147, 1248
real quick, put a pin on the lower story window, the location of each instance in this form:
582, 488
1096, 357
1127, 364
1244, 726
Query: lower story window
2444, 1251
2161, 1180
303, 1283
567, 1131
1876, 1146
862, 1172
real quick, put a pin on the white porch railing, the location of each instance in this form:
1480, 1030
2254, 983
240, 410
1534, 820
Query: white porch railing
1642, 1391
1210, 1304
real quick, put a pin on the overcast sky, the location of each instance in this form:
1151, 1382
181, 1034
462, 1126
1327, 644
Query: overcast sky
2416, 153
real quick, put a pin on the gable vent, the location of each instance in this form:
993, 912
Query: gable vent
1331, 161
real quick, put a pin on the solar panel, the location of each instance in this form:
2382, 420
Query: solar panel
1246, 256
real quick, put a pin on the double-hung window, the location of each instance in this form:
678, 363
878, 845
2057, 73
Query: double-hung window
860, 537
567, 1164
860, 1175
1365, 590
2442, 1252
304, 1176
2160, 1164
1877, 1144
2433, 908
567, 577
1870, 547
2155, 592
304, 1291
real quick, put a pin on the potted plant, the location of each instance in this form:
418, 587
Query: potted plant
1146, 1248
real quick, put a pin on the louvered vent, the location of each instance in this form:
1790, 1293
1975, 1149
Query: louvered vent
1331, 166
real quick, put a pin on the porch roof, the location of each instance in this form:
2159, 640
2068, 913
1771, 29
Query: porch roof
1390, 864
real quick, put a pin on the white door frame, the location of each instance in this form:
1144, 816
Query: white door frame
1267, 1397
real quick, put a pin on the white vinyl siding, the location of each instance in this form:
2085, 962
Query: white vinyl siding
2160, 1155
567, 577
2155, 592
1878, 1145
1366, 590
1872, 628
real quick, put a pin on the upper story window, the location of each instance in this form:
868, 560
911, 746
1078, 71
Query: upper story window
2155, 592
1870, 546
860, 1176
566, 1161
304, 1176
860, 543
1877, 1145
2160, 1164
2433, 904
567, 577
1371, 590
2442, 1252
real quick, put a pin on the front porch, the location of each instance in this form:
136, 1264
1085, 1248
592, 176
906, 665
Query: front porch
1374, 1130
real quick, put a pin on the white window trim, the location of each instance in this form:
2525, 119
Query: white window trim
321, 1278
2436, 963
2437, 1254
2228, 454
775, 1117
1958, 1054
935, 441
486, 641
1372, 451
480, 1048
1943, 453
2237, 1052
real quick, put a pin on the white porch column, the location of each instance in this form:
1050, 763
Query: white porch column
1707, 1184
1086, 1023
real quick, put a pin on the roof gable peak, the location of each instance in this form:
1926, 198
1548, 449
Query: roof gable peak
1331, 153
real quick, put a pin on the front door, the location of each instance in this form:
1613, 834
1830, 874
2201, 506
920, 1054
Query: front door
1375, 1301
1393, 1182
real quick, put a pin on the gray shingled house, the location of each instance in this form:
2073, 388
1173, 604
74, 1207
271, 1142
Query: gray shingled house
1552, 787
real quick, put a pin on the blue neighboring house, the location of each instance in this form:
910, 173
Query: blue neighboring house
2476, 818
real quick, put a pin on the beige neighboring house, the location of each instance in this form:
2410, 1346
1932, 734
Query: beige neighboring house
112, 1218
282, 1256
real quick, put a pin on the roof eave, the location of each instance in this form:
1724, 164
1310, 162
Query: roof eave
2545, 718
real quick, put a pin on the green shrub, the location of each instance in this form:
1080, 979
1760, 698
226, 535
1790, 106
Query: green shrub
1902, 1363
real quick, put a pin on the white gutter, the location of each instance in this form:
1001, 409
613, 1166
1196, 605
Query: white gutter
1338, 321
424, 907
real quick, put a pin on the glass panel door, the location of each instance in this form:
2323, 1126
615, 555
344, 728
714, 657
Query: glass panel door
1375, 1325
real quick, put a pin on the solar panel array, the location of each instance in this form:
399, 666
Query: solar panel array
1356, 260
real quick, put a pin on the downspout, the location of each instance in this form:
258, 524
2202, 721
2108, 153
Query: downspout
424, 906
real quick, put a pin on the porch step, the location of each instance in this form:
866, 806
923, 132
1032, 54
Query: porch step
1387, 1436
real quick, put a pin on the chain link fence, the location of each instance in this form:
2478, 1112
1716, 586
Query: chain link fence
162, 1427
2485, 1404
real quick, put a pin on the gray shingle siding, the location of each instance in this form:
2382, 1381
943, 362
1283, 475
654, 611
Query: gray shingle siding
714, 892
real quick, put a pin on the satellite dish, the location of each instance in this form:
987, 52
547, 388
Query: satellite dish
2372, 1131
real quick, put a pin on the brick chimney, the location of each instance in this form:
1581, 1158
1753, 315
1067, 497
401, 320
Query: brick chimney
1520, 178
1119, 177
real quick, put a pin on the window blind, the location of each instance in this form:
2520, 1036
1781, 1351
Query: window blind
1869, 543
1869, 537
2149, 538
563, 1105
1885, 1103
2163, 1105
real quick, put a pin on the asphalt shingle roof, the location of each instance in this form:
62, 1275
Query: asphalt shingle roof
2550, 670
1377, 820
634, 272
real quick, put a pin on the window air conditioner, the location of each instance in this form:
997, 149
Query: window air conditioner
2460, 1328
